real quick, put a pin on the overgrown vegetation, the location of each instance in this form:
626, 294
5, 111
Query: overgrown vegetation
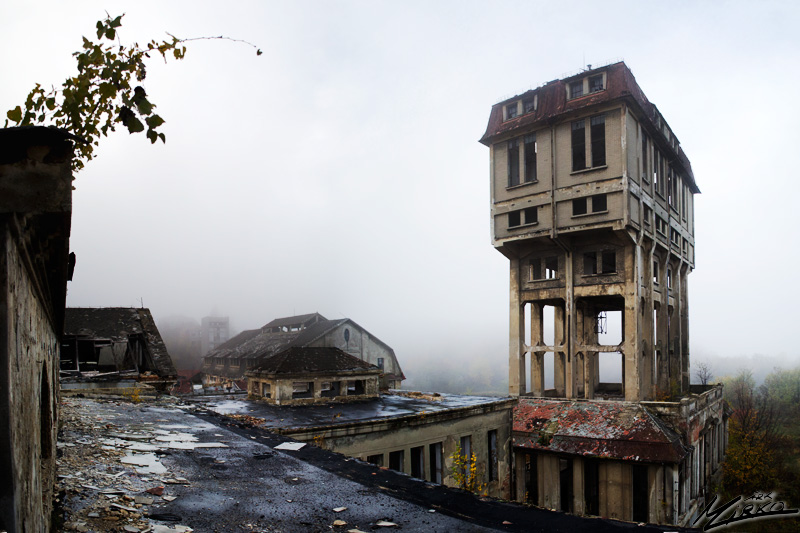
465, 471
763, 452
107, 91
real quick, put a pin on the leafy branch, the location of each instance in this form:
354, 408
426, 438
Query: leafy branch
106, 92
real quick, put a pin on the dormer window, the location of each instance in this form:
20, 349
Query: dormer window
511, 111
596, 83
529, 105
576, 89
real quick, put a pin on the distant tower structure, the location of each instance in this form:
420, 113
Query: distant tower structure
592, 203
214, 330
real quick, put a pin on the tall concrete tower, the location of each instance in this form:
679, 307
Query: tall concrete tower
592, 203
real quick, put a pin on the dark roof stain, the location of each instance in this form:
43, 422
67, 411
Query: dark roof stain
614, 430
311, 360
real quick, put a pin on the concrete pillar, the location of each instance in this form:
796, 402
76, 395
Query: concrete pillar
631, 354
578, 502
648, 367
560, 359
537, 357
662, 330
684, 320
516, 353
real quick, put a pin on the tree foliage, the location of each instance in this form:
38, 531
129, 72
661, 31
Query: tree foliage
106, 92
465, 471
704, 373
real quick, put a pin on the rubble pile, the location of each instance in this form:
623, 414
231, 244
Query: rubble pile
110, 478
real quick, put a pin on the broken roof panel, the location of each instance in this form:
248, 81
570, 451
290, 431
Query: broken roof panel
613, 430
308, 360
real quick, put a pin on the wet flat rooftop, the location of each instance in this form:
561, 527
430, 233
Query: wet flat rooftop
393, 405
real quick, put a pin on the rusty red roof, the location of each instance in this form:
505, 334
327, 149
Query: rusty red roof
552, 103
614, 430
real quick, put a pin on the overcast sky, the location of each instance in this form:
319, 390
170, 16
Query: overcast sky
340, 171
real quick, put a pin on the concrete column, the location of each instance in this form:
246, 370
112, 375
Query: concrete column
662, 331
631, 353
647, 330
578, 502
560, 359
537, 357
674, 342
684, 317
516, 353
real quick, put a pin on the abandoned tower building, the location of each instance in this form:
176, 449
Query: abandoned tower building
592, 202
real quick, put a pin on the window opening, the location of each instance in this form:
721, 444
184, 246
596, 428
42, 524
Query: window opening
330, 389
595, 83
601, 323
531, 215
492, 459
578, 145
380, 363
511, 111
396, 460
578, 206
529, 104
565, 482
576, 89
655, 272
551, 267
590, 263
598, 132
376, 459
599, 203
436, 459
417, 461
591, 486
645, 176
531, 479
302, 389
530, 158
640, 493
513, 162
265, 390
514, 219
609, 262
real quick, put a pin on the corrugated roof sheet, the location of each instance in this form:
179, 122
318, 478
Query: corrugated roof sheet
614, 430
312, 360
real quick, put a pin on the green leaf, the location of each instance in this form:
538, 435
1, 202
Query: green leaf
100, 29
50, 103
134, 125
152, 135
154, 121
162, 137
15, 115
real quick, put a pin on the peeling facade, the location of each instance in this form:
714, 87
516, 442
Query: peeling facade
592, 203
227, 364
35, 215
312, 375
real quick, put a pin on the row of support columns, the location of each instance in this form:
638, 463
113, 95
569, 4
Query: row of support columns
655, 340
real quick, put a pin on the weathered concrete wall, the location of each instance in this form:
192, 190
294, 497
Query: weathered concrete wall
381, 437
35, 210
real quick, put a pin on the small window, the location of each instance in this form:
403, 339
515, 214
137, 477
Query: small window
376, 459
513, 162
529, 104
551, 268
530, 158
492, 459
599, 203
576, 89
590, 263
655, 272
669, 279
578, 145
396, 460
511, 111
595, 83
598, 132
514, 219
531, 215
609, 262
645, 176
380, 363
578, 206
417, 461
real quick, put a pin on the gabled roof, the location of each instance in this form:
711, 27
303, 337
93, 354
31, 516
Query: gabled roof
293, 321
615, 430
313, 360
117, 324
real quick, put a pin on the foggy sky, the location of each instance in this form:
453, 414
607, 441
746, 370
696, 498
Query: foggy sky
340, 171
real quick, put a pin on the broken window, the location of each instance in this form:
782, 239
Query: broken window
591, 486
640, 492
466, 453
669, 279
396, 460
356, 387
656, 165
661, 226
595, 83
513, 162
376, 459
492, 459
530, 158
578, 206
565, 482
511, 111
330, 389
578, 145
543, 268
436, 460
514, 219
576, 89
648, 214
598, 133
531, 480
531, 215
609, 262
302, 389
645, 177
529, 104
590, 263
380, 363
417, 461
265, 390
655, 272
599, 203
551, 267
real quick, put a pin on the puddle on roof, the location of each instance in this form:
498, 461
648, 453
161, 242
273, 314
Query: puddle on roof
229, 406
147, 463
